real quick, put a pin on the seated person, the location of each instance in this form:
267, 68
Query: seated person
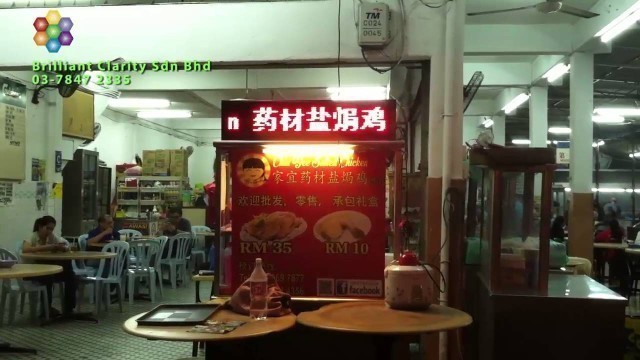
43, 239
176, 224
104, 233
613, 234
557, 229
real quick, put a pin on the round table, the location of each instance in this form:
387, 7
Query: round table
179, 333
18, 271
375, 318
69, 255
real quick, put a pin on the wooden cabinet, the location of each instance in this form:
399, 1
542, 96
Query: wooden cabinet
78, 116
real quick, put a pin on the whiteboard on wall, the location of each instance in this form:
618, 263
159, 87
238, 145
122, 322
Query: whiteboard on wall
13, 107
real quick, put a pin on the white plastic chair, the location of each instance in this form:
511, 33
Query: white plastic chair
18, 255
113, 276
197, 250
176, 261
130, 233
147, 252
15, 287
79, 267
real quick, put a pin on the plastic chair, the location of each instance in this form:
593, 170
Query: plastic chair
178, 260
113, 276
18, 254
198, 251
148, 254
130, 233
79, 267
15, 287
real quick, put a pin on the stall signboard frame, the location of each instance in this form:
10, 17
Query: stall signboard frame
316, 214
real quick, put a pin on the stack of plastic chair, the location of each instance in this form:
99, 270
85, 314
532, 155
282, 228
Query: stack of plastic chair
147, 253
176, 259
198, 251
14, 287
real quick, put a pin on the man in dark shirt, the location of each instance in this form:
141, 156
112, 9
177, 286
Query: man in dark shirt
104, 233
176, 225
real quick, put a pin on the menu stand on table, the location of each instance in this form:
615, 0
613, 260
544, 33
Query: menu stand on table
19, 271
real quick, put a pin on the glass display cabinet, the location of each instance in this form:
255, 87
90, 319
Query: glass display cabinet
81, 203
511, 214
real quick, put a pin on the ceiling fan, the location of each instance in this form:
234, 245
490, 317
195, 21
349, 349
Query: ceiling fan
546, 7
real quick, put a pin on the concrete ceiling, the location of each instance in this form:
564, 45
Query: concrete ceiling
529, 16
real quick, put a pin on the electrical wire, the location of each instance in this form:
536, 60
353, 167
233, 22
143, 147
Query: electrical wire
402, 46
431, 6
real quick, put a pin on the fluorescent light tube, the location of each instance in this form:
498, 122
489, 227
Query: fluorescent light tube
567, 189
598, 143
621, 111
487, 123
560, 130
358, 93
620, 24
634, 155
607, 119
517, 101
521, 141
139, 103
635, 7
164, 114
556, 72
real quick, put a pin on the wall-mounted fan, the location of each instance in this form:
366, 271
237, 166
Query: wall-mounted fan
546, 7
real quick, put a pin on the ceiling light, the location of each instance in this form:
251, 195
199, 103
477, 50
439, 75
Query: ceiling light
618, 111
487, 123
517, 101
164, 114
559, 130
556, 72
139, 103
521, 141
358, 93
567, 189
608, 119
548, 142
620, 24
634, 155
598, 143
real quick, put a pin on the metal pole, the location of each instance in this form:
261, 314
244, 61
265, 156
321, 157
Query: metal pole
633, 183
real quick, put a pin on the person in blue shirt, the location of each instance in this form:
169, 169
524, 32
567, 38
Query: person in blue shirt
104, 233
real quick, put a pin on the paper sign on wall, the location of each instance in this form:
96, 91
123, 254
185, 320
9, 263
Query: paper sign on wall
6, 193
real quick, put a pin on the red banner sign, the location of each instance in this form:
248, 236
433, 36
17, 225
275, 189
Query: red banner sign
318, 222
319, 120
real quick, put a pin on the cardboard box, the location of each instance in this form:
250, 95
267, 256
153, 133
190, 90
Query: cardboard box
148, 162
179, 165
163, 161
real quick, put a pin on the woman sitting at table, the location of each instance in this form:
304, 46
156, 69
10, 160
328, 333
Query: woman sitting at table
43, 240
613, 234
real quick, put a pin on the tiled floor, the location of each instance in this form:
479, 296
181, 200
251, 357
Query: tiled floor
102, 341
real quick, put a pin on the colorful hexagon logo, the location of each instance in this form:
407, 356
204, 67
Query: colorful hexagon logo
53, 31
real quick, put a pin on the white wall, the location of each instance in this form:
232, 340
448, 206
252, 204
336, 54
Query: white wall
17, 219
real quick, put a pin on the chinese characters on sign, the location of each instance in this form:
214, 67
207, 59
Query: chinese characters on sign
307, 213
265, 118
317, 120
13, 125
